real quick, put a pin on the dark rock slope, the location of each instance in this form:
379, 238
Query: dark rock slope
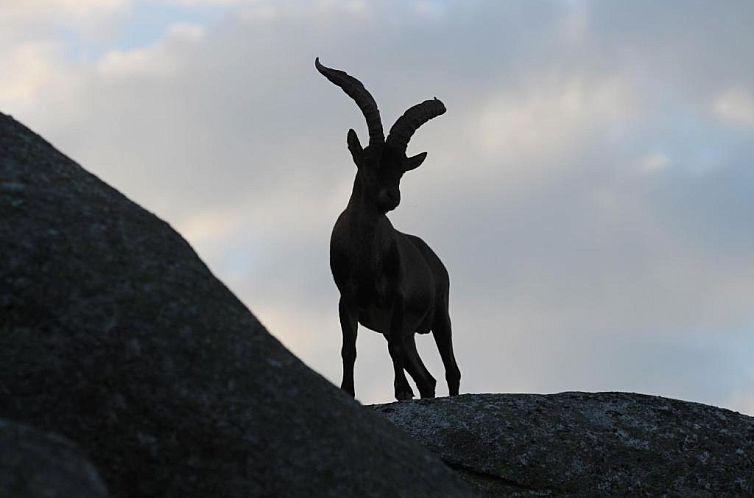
581, 444
114, 334
37, 465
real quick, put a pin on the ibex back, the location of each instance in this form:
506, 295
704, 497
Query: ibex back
389, 281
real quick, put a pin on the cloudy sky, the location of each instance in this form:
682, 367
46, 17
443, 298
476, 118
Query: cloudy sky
589, 189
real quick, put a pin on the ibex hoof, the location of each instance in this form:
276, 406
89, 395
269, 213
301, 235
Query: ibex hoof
403, 395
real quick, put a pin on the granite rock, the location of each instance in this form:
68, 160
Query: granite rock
585, 444
39, 465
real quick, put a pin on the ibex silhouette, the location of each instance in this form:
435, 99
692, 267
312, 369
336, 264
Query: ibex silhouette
389, 281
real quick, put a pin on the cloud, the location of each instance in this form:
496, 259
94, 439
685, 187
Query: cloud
545, 121
35, 49
585, 189
743, 403
154, 59
223, 3
654, 162
29, 67
32, 10
735, 105
35, 20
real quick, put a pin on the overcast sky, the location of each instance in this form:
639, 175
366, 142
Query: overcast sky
589, 188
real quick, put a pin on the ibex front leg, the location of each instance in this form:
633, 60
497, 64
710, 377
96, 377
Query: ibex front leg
396, 348
348, 324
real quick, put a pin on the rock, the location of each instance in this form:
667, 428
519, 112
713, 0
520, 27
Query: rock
583, 444
38, 465
114, 334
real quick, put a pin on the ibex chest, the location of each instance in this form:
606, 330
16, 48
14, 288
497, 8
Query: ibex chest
365, 263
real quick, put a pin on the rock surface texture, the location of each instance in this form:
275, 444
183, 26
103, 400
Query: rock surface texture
582, 444
114, 334
37, 465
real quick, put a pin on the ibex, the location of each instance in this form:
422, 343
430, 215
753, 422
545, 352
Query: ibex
390, 282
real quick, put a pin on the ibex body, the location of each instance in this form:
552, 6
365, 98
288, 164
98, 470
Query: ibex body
389, 281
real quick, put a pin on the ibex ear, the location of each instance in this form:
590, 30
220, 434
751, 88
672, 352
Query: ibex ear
353, 145
414, 162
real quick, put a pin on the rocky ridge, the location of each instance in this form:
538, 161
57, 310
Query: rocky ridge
585, 444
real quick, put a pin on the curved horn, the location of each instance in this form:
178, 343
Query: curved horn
361, 95
412, 119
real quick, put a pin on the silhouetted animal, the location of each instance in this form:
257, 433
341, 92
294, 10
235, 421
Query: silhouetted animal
389, 281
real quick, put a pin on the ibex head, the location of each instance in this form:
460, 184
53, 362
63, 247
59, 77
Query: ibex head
382, 163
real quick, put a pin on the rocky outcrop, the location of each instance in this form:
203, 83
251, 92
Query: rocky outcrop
582, 444
37, 465
114, 334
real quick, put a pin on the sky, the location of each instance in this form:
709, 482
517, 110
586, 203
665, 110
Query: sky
589, 188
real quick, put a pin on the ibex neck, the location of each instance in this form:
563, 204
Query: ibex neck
362, 210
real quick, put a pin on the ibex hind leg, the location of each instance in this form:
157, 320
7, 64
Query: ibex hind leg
441, 330
415, 367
